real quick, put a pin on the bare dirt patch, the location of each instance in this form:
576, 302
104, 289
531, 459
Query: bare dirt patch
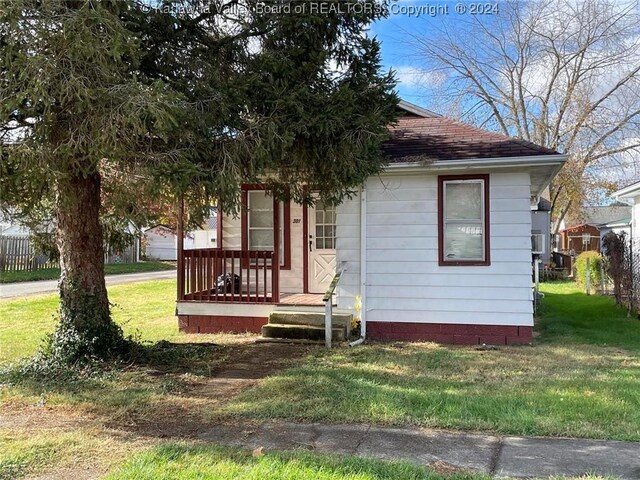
171, 415
188, 414
33, 417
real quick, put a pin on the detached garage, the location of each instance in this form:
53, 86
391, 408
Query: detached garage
160, 243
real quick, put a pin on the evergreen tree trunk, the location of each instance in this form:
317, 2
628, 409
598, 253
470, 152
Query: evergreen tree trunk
85, 328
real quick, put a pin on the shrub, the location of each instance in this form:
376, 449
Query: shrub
595, 260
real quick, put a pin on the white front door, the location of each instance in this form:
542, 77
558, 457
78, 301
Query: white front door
322, 246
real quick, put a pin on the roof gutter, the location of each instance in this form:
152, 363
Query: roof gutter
628, 192
528, 161
554, 161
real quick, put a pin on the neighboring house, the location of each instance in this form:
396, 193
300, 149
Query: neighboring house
436, 248
541, 230
631, 194
162, 241
622, 225
13, 230
610, 218
23, 247
207, 237
603, 215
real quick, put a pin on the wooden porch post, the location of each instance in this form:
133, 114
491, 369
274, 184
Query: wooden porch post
275, 263
180, 248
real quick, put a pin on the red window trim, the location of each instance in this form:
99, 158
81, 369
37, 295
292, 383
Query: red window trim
286, 222
487, 233
305, 248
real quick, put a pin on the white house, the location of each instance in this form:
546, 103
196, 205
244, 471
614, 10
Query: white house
631, 194
436, 248
161, 241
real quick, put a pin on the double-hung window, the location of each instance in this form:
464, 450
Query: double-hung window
258, 226
463, 220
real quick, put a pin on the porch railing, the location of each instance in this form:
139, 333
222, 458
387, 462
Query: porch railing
221, 275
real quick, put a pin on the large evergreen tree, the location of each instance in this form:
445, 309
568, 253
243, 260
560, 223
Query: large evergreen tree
179, 99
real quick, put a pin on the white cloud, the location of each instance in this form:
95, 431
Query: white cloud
412, 77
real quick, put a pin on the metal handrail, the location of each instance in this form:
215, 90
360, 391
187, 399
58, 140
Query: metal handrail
328, 306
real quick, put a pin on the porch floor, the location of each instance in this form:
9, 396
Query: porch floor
302, 300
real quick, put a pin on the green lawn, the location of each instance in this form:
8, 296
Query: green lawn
146, 309
582, 379
111, 269
570, 317
93, 410
191, 462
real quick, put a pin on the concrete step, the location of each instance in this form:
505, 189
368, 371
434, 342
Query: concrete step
282, 317
308, 332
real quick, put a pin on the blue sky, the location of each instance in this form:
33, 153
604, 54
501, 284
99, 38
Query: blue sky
420, 17
395, 54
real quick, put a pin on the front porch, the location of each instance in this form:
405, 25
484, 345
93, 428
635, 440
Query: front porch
226, 290
215, 275
274, 256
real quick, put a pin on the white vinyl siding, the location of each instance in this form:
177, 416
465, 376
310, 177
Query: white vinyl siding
405, 282
348, 251
635, 219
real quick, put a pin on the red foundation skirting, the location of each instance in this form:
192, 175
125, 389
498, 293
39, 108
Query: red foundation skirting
450, 333
220, 323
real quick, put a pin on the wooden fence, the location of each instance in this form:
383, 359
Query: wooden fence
18, 254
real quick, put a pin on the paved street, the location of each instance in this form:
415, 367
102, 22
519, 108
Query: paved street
20, 289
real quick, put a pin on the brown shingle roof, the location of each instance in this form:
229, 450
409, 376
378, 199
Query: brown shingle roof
432, 138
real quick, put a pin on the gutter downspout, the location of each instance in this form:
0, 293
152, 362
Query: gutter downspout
363, 266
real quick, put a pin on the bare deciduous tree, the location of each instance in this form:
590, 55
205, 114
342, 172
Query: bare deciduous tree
560, 73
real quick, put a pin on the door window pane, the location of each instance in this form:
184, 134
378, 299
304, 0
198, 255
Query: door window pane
325, 226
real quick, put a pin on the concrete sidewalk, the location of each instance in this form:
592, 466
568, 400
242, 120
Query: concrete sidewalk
21, 289
499, 456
